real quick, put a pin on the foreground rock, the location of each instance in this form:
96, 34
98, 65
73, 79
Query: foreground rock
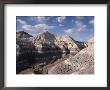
81, 63
46, 49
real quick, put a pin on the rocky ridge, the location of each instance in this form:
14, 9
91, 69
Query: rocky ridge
48, 52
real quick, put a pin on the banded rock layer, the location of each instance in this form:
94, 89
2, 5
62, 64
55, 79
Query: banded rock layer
53, 54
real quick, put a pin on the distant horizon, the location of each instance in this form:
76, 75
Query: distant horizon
80, 28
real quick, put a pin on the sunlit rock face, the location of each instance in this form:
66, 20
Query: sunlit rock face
90, 42
85, 59
61, 40
52, 54
22, 34
81, 63
44, 37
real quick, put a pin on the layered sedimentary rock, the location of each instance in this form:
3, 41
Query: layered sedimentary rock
81, 63
47, 53
22, 34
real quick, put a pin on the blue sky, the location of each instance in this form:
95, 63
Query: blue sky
81, 28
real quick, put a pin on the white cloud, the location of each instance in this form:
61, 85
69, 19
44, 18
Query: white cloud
91, 22
61, 25
61, 19
37, 28
72, 20
68, 31
33, 18
78, 27
43, 27
28, 27
41, 18
21, 21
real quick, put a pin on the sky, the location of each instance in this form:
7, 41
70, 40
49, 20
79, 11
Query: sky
80, 28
